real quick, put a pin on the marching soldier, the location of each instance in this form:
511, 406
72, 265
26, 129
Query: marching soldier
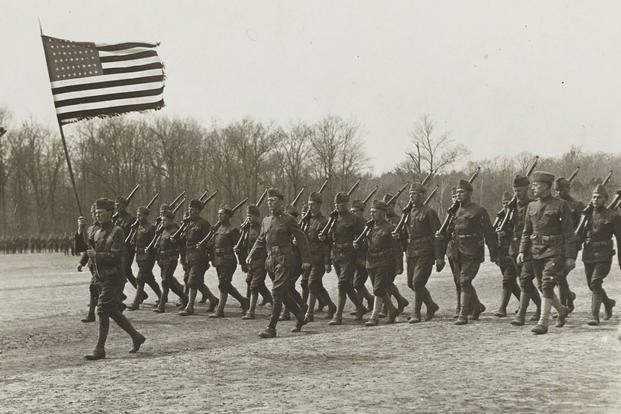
471, 227
320, 259
598, 252
528, 291
562, 187
196, 259
223, 258
109, 243
276, 240
393, 219
384, 260
295, 275
124, 220
256, 268
167, 253
361, 276
84, 260
422, 252
145, 260
508, 268
549, 237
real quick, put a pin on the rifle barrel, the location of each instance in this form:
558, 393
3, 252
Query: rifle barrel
323, 186
260, 200
368, 197
475, 175
532, 166
131, 194
426, 180
573, 174
396, 196
153, 200
297, 197
353, 188
177, 198
607, 179
430, 196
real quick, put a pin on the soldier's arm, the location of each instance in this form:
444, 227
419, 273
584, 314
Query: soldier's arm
434, 224
569, 239
259, 243
526, 232
327, 246
397, 252
489, 234
113, 255
301, 239
83, 259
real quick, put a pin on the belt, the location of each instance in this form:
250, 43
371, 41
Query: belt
547, 237
143, 251
344, 245
169, 251
467, 236
281, 249
604, 243
420, 239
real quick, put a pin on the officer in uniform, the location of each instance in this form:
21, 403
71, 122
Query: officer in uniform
124, 220
422, 252
197, 259
276, 240
106, 256
167, 254
223, 258
145, 260
598, 252
256, 268
471, 227
384, 259
528, 291
549, 238
320, 259
562, 187
508, 268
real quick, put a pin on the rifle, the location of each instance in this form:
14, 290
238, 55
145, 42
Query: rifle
186, 220
396, 196
132, 229
573, 174
614, 204
405, 211
607, 179
329, 227
218, 224
323, 186
159, 230
297, 197
365, 233
505, 216
129, 198
587, 216
426, 180
305, 220
452, 210
368, 197
353, 188
172, 205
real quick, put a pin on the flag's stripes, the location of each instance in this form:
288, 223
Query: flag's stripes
117, 58
105, 78
107, 104
111, 47
108, 90
108, 84
77, 115
137, 68
124, 51
108, 97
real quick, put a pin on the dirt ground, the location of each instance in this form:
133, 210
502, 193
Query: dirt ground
197, 364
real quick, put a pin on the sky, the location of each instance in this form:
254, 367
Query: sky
502, 77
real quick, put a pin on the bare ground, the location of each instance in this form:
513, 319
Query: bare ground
196, 364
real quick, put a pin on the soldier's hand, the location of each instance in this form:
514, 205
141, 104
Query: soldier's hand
396, 236
79, 268
439, 236
329, 268
248, 261
321, 237
356, 245
570, 263
91, 253
520, 258
440, 263
306, 266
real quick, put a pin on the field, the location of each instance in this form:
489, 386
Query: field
196, 364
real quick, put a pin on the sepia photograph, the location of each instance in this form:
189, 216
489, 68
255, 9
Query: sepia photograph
288, 206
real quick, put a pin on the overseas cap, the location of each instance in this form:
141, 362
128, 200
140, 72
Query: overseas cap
104, 204
506, 196
464, 185
417, 188
225, 209
601, 190
380, 205
168, 214
164, 207
561, 183
272, 192
357, 204
253, 210
543, 177
122, 200
315, 196
144, 210
341, 198
520, 181
194, 203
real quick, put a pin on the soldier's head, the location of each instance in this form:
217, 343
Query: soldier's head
93, 208
314, 202
417, 193
542, 184
253, 213
142, 214
120, 204
275, 200
506, 197
357, 208
379, 210
562, 187
164, 207
168, 218
464, 191
453, 194
196, 206
224, 214
340, 202
103, 210
520, 186
599, 198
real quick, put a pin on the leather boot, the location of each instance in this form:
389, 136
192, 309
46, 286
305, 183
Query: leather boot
90, 317
189, 309
310, 312
100, 349
338, 316
125, 324
268, 333
267, 296
243, 301
219, 313
458, 307
402, 302
536, 298
462, 319
136, 303
542, 326
254, 296
177, 289
374, 320
478, 308
596, 302
161, 305
563, 311
608, 305
504, 301
520, 318
331, 306
418, 304
391, 311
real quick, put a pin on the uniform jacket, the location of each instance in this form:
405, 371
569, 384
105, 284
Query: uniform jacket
518, 226
319, 250
109, 244
347, 228
222, 245
144, 236
195, 232
605, 223
471, 228
382, 248
420, 231
167, 251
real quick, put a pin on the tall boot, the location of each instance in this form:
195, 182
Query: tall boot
562, 310
608, 305
596, 302
458, 308
254, 296
310, 311
377, 307
189, 309
365, 295
213, 300
219, 313
465, 302
338, 316
431, 306
156, 288
519, 319
248, 291
305, 293
161, 305
542, 326
515, 289
478, 308
391, 311
504, 301
243, 301
125, 324
270, 331
92, 304
266, 295
360, 309
402, 302
177, 289
536, 298
418, 304
136, 303
100, 349
324, 297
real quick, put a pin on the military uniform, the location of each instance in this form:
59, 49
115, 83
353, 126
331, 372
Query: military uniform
295, 275
361, 275
472, 227
145, 232
84, 261
275, 240
422, 251
125, 220
548, 237
167, 254
598, 253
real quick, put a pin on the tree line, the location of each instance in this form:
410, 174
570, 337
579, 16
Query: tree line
240, 159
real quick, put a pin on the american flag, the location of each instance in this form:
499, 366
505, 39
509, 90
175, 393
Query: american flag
100, 79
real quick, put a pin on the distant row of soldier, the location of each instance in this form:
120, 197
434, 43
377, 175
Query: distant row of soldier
53, 243
533, 241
